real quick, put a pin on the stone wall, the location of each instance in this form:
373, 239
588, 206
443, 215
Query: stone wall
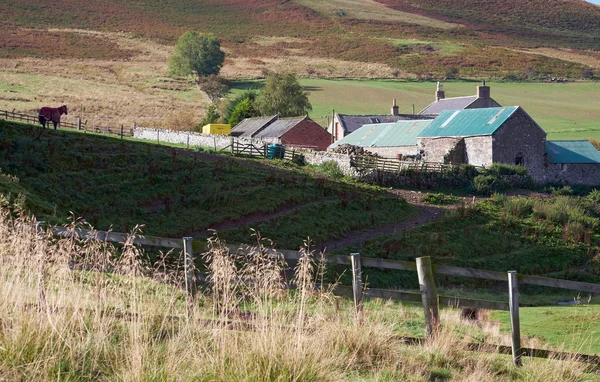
478, 150
343, 161
393, 152
521, 136
195, 139
587, 174
436, 149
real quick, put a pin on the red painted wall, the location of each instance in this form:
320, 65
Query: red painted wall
307, 134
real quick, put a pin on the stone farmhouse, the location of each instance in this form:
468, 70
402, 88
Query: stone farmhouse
482, 136
293, 132
481, 100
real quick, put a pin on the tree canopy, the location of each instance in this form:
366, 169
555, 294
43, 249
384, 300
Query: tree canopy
196, 54
242, 106
283, 94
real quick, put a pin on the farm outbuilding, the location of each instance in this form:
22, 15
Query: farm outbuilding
389, 140
572, 162
294, 132
343, 125
217, 129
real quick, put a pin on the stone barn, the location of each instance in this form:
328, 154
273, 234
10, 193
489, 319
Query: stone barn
484, 136
571, 162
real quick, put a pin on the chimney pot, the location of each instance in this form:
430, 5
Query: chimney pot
440, 93
483, 91
395, 108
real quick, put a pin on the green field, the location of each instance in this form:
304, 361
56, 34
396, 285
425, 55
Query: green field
576, 328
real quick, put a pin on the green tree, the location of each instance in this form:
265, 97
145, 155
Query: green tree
244, 109
196, 54
283, 94
232, 105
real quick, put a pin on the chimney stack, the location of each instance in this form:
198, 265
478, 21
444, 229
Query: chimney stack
395, 108
440, 93
483, 91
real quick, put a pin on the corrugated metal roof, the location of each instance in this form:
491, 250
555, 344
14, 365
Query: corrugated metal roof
278, 128
572, 152
455, 103
468, 122
351, 123
401, 133
250, 126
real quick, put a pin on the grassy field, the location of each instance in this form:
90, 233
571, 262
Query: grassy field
564, 111
576, 328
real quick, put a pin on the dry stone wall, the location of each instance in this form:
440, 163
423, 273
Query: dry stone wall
184, 137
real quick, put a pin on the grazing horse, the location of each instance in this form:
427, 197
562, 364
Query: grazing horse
52, 114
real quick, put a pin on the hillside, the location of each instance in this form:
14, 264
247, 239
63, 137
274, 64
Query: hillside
175, 193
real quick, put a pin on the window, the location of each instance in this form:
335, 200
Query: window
520, 160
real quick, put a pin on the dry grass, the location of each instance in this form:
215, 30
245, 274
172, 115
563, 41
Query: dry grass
372, 10
57, 322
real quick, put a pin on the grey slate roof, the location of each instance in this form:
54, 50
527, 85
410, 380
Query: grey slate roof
351, 123
278, 128
456, 103
250, 126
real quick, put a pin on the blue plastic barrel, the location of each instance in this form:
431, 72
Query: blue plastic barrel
275, 151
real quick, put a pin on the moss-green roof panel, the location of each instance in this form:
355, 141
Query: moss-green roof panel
401, 133
468, 122
572, 152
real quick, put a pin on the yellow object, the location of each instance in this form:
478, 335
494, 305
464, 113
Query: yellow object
217, 128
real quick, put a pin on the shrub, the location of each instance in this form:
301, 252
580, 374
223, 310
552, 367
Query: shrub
594, 195
486, 184
439, 199
330, 168
519, 207
562, 191
505, 169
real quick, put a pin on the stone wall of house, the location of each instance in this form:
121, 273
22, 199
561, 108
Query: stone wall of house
436, 149
520, 136
478, 150
195, 139
393, 152
587, 174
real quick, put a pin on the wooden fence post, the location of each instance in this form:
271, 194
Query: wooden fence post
188, 141
121, 131
190, 279
357, 287
429, 295
78, 124
157, 136
232, 141
513, 302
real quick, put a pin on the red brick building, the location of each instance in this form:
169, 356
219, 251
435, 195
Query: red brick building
293, 132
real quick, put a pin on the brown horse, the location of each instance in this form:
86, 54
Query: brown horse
52, 114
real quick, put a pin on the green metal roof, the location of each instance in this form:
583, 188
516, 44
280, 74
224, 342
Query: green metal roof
468, 122
401, 133
572, 152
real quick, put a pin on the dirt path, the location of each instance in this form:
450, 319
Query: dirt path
425, 215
